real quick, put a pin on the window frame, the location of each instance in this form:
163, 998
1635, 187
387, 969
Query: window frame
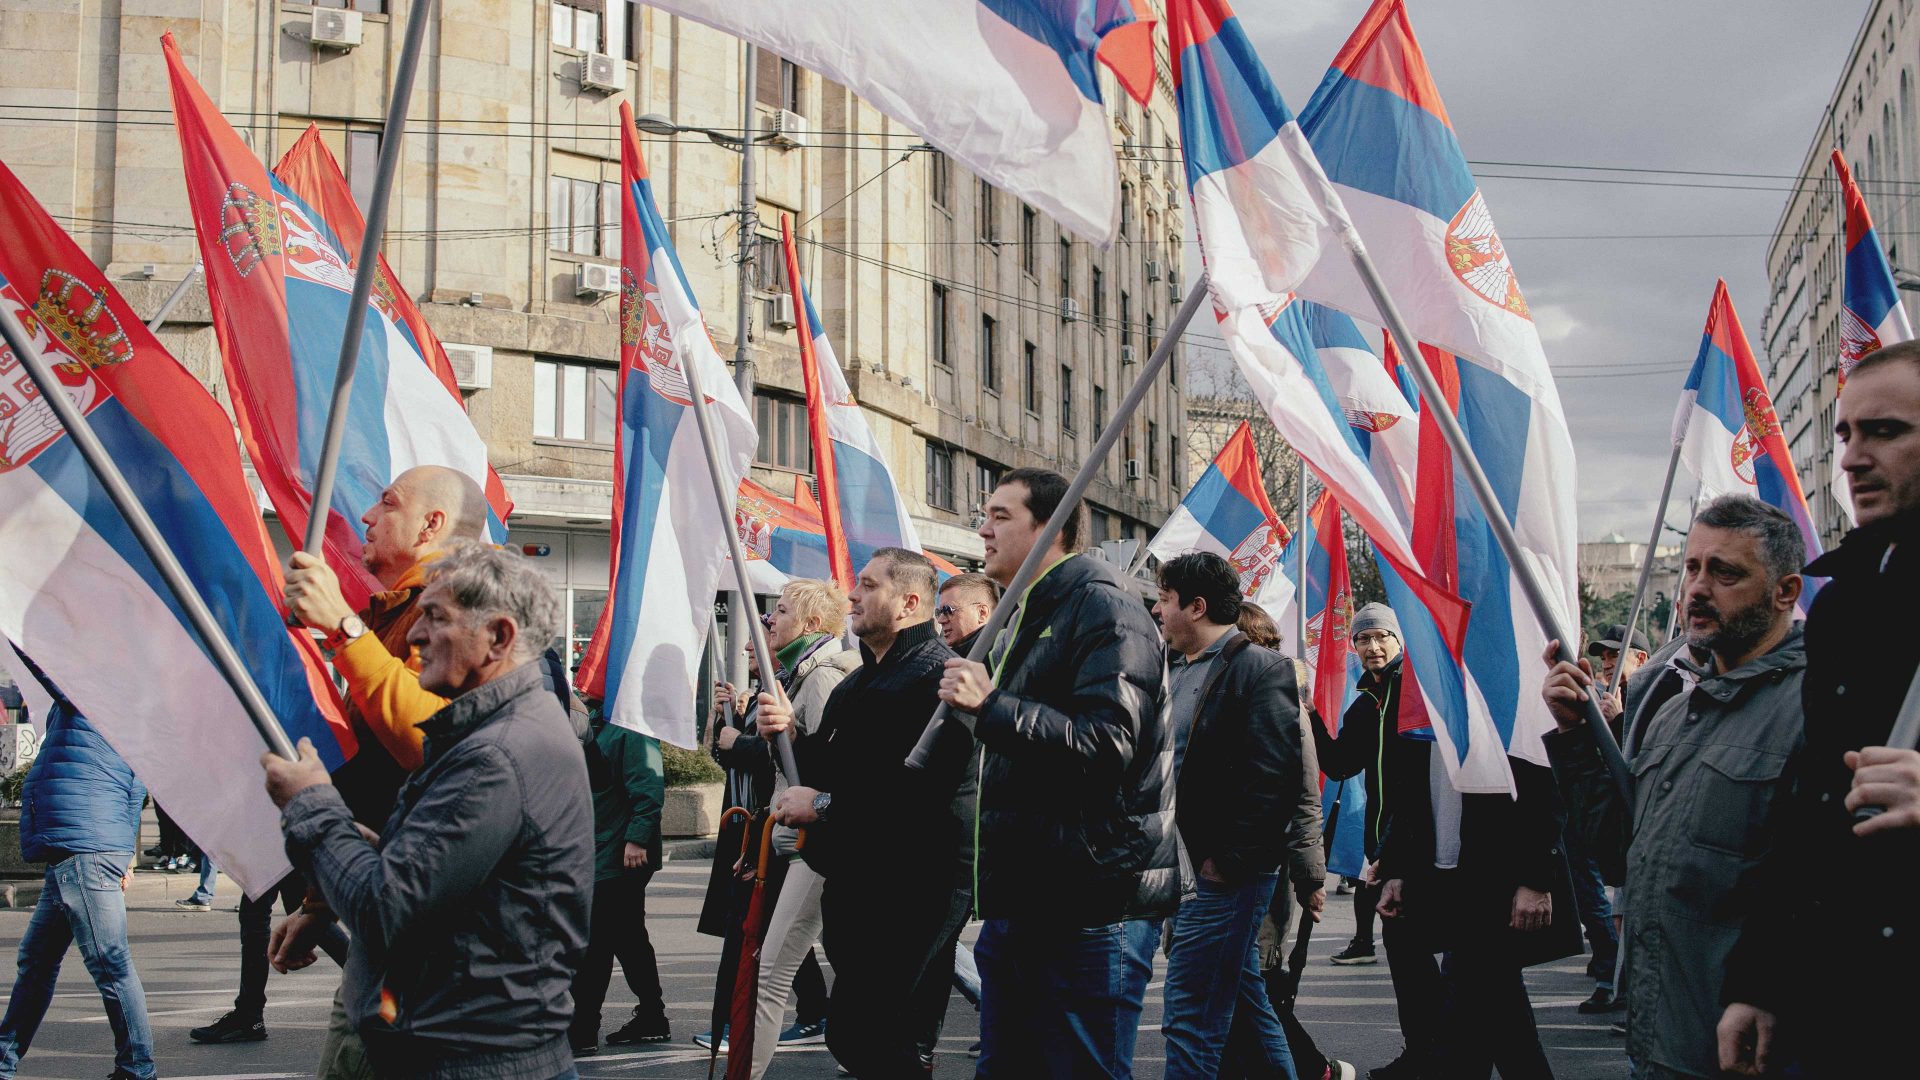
939, 323
940, 477
1066, 398
989, 350
1030, 376
786, 440
1029, 240
593, 376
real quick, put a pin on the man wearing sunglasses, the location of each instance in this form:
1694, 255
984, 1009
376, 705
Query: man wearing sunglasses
966, 602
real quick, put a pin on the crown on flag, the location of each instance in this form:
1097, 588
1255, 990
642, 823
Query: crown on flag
80, 320
250, 228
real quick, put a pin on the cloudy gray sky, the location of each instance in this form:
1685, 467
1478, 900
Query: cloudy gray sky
1715, 85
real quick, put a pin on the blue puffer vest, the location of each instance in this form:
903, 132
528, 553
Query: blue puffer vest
79, 797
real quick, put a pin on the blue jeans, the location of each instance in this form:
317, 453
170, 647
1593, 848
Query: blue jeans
209, 874
1062, 1002
81, 904
1596, 915
1213, 970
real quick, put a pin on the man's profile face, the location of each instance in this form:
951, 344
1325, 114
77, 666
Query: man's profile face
455, 649
874, 603
1879, 423
1009, 530
959, 613
394, 525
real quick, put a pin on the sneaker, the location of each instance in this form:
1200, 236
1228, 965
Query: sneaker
1404, 1067
584, 1049
191, 904
1602, 1001
1356, 953
1340, 1070
155, 851
1341, 889
704, 1040
804, 1034
637, 1030
231, 1028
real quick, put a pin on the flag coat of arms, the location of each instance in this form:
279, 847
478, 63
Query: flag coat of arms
1871, 315
1009, 88
1730, 436
669, 545
1227, 512
279, 282
79, 595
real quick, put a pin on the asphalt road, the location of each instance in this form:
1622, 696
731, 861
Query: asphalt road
189, 964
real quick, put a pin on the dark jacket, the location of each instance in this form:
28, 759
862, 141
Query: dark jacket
79, 798
1370, 742
1243, 771
890, 827
471, 914
1837, 962
626, 809
1076, 786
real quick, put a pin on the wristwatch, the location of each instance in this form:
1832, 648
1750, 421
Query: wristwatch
350, 628
820, 804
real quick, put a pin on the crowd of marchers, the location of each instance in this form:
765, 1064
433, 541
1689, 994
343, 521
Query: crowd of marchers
1117, 787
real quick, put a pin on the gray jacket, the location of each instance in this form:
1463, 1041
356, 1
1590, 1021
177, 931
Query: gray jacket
471, 913
1709, 765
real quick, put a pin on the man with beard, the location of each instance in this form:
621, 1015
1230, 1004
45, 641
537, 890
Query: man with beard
1709, 745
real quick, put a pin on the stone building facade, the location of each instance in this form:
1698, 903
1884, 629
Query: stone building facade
977, 334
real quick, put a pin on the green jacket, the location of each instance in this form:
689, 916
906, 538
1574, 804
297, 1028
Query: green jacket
627, 808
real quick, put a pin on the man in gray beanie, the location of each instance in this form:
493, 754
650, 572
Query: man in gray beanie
1368, 740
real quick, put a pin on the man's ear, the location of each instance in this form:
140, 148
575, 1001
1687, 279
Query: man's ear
503, 634
433, 526
1787, 593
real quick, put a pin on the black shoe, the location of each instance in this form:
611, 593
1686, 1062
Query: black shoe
1602, 1001
155, 851
584, 1049
1404, 1067
653, 1029
1356, 953
231, 1028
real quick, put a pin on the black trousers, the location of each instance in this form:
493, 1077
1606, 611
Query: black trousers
936, 982
256, 934
1488, 1019
1418, 992
617, 928
877, 1017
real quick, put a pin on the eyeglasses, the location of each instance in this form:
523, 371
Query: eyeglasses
767, 620
945, 611
1372, 637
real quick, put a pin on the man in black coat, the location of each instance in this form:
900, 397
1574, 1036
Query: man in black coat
892, 842
1076, 858
1241, 761
1832, 965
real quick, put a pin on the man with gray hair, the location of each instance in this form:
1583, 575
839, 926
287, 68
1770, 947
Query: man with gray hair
469, 910
1709, 745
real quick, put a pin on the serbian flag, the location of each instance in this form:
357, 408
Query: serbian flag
1380, 413
309, 170
78, 593
1384, 137
1730, 436
1329, 654
859, 500
1871, 315
669, 540
279, 282
1009, 88
1227, 512
783, 539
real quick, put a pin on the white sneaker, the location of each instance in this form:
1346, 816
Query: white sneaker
1340, 1070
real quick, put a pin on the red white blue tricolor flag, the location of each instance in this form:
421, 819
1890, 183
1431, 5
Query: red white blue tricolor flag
669, 540
80, 596
1227, 512
1731, 438
1378, 410
1871, 315
1009, 88
860, 504
1386, 141
279, 281
1263, 210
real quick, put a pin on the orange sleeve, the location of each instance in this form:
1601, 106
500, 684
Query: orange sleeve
388, 694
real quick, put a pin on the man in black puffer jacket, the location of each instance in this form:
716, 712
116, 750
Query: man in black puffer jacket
1076, 858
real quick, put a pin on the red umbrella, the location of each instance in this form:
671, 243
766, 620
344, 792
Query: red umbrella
746, 980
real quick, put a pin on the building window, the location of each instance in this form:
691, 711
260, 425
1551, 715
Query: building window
365, 7
1099, 411
1126, 447
1126, 208
770, 266
983, 209
939, 476
1029, 238
583, 216
1126, 319
1173, 461
1066, 268
939, 179
986, 477
776, 82
989, 354
1066, 399
1099, 298
1153, 342
1102, 527
575, 401
1030, 377
1153, 449
938, 332
785, 441
576, 24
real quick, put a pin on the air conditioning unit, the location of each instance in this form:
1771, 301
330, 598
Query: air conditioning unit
596, 279
789, 129
335, 28
1126, 356
1133, 468
1173, 200
1069, 309
472, 365
603, 73
1146, 163
1127, 149
1173, 292
1153, 269
782, 313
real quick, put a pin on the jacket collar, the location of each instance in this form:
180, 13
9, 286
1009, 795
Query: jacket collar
903, 643
1372, 681
465, 714
1787, 656
382, 604
1861, 551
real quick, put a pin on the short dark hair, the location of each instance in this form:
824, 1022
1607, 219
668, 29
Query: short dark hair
975, 582
1908, 351
1045, 489
1202, 575
1258, 625
1781, 546
909, 571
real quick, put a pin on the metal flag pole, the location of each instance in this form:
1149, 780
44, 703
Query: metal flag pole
723, 501
172, 301
1035, 561
1904, 736
363, 273
1680, 579
1646, 568
221, 650
1300, 560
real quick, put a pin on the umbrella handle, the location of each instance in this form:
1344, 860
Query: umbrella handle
766, 849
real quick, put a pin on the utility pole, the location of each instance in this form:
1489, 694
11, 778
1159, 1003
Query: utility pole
740, 606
